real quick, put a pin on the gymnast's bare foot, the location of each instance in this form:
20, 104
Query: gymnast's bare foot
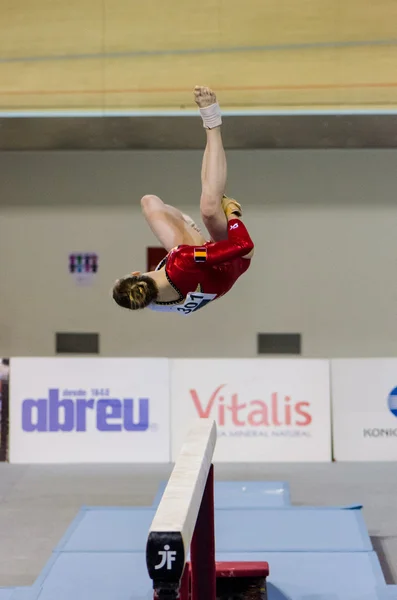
204, 96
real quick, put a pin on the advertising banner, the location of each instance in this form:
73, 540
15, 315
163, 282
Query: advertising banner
85, 410
265, 410
4, 386
364, 405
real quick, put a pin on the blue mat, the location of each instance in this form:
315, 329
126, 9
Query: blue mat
6, 593
256, 530
92, 575
23, 594
314, 553
390, 593
297, 576
292, 530
108, 529
244, 494
14, 593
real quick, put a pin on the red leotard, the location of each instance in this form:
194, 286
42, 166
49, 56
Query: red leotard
212, 268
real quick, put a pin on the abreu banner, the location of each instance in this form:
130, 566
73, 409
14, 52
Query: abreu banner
85, 410
266, 410
364, 400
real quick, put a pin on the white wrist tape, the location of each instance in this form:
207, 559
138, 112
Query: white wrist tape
211, 116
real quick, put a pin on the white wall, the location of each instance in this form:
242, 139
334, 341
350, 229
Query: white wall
324, 224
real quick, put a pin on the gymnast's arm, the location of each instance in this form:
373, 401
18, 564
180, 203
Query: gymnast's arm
238, 244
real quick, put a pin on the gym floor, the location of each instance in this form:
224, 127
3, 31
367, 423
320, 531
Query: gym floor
113, 55
37, 503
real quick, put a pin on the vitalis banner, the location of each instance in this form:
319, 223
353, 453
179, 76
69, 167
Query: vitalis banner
266, 410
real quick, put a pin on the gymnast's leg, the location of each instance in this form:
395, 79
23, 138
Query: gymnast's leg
213, 172
213, 202
170, 226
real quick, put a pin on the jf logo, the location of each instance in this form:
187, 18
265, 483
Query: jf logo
167, 557
392, 402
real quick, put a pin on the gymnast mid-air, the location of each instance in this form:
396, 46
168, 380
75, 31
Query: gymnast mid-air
195, 271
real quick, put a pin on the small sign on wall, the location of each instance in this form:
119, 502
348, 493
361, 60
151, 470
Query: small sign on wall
154, 255
83, 266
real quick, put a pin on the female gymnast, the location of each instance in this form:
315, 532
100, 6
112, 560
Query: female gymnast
195, 271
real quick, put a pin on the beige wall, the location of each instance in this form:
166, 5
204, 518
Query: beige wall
324, 224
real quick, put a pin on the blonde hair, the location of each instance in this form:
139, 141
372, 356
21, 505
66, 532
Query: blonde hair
135, 292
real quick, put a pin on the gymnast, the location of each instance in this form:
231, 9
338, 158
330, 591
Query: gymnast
195, 271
